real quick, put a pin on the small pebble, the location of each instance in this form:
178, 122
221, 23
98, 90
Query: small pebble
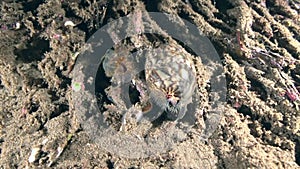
69, 23
34, 154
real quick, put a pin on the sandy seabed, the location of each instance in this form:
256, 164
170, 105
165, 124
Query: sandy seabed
257, 42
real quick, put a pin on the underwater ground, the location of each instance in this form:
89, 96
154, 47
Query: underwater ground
258, 43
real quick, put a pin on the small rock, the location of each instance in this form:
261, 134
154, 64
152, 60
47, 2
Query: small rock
69, 23
35, 152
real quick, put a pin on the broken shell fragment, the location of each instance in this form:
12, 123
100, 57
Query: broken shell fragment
34, 154
69, 23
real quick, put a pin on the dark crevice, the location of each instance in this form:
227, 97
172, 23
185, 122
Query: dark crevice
156, 38
31, 5
39, 82
61, 108
65, 81
33, 52
33, 107
258, 87
83, 26
229, 21
280, 7
1, 86
53, 94
121, 13
221, 26
133, 95
219, 48
151, 5
218, 153
296, 77
159, 121
295, 33
110, 164
223, 5
265, 124
101, 83
197, 8
109, 12
297, 152
36, 25
245, 110
83, 4
252, 128
186, 47
257, 8
284, 43
95, 20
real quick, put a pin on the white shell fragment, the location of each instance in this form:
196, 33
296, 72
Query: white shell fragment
34, 154
69, 23
18, 26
